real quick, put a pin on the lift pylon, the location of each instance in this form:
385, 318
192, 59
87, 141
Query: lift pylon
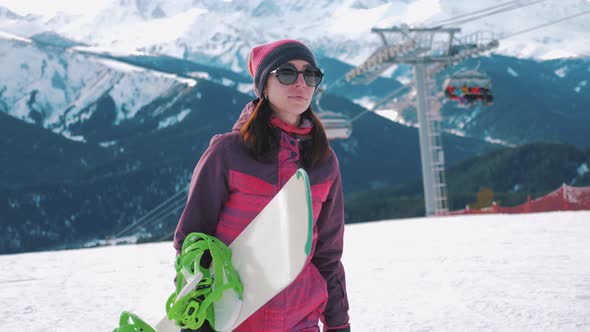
429, 50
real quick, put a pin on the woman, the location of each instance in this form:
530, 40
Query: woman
241, 171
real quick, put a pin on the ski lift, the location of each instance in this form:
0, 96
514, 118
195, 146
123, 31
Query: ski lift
469, 87
337, 125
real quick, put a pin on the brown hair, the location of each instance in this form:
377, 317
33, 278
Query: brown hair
258, 135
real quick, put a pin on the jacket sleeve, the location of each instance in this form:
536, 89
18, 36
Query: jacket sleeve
328, 253
207, 193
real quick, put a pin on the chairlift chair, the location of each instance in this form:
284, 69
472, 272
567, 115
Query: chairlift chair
337, 125
469, 87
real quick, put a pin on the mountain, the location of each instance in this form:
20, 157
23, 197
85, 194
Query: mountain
511, 174
65, 90
31, 155
107, 111
148, 166
222, 32
138, 125
71, 81
532, 97
534, 101
209, 33
7, 14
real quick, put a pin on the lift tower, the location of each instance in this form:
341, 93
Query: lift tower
428, 50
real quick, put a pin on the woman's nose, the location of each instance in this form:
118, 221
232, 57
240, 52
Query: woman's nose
300, 80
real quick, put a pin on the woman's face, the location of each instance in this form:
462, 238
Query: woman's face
289, 101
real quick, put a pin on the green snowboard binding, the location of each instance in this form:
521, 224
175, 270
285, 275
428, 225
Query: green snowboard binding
197, 287
131, 323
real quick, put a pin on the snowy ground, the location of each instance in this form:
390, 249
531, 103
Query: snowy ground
472, 273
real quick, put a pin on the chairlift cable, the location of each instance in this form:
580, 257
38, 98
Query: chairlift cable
544, 25
499, 11
372, 109
165, 237
146, 216
450, 19
507, 6
381, 102
324, 90
163, 216
158, 216
164, 213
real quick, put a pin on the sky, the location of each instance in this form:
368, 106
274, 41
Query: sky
49, 8
526, 272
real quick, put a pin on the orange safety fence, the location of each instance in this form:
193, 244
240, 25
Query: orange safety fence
562, 199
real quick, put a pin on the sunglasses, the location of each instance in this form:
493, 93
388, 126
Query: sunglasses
287, 74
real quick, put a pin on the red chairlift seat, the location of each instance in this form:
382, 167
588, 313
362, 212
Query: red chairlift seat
469, 87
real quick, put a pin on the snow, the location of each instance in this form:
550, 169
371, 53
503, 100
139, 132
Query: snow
364, 19
53, 7
581, 85
557, 54
456, 132
512, 72
582, 169
394, 116
366, 102
72, 137
525, 272
120, 66
227, 82
172, 120
561, 72
199, 74
137, 33
65, 85
9, 36
106, 50
422, 10
493, 140
107, 144
246, 88
340, 28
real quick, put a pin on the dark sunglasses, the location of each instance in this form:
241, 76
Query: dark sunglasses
287, 74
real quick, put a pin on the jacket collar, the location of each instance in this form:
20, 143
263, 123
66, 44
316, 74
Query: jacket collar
304, 129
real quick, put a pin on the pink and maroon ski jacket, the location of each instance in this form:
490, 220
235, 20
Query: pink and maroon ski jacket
229, 188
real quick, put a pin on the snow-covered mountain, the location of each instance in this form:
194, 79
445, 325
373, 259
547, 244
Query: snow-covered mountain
58, 88
224, 31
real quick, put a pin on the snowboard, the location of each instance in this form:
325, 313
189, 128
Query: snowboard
268, 255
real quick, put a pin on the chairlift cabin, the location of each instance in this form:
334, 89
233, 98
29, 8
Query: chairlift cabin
337, 125
469, 87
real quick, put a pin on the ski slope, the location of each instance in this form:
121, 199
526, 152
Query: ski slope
469, 273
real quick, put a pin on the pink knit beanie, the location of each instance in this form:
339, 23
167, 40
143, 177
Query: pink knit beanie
267, 57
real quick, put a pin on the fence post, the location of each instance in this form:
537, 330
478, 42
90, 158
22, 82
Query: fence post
565, 198
527, 205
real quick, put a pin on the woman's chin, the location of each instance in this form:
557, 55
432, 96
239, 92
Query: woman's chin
299, 106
